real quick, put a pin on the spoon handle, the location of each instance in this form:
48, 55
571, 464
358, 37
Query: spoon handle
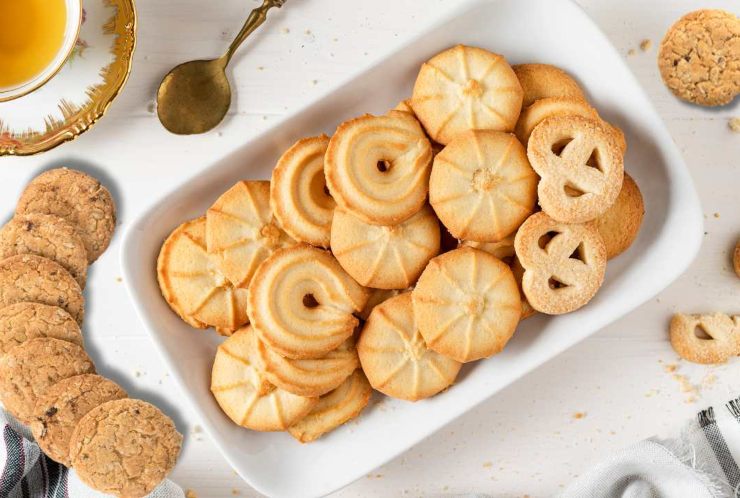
254, 21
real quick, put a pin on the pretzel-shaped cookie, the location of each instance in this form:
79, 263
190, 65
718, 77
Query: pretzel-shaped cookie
580, 164
563, 273
721, 338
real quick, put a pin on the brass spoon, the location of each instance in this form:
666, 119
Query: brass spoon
195, 96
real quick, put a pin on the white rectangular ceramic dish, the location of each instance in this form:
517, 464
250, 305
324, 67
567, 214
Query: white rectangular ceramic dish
553, 31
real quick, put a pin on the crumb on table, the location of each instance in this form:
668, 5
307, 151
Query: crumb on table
579, 415
734, 124
646, 44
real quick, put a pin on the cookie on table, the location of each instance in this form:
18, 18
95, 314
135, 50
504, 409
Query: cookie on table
467, 304
334, 409
30, 278
620, 224
376, 297
61, 407
124, 447
301, 302
381, 256
541, 81
466, 88
395, 357
78, 198
482, 186
244, 395
28, 370
48, 236
719, 339
299, 197
24, 321
699, 57
377, 167
241, 231
193, 285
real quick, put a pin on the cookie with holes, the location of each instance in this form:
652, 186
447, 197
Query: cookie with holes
564, 263
299, 197
580, 165
301, 302
620, 224
708, 338
241, 231
466, 88
382, 256
193, 285
541, 81
482, 186
377, 167
466, 304
395, 356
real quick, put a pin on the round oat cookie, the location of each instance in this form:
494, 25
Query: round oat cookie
48, 236
30, 278
710, 338
299, 196
467, 304
28, 370
395, 357
78, 198
334, 409
466, 88
541, 81
482, 186
699, 57
61, 407
124, 447
619, 225
381, 256
24, 321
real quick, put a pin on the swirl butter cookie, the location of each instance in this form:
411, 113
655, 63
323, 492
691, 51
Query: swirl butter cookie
124, 447
24, 321
467, 304
395, 357
60, 408
241, 231
334, 409
482, 186
466, 88
30, 278
619, 225
48, 236
301, 302
244, 395
541, 81
29, 369
381, 256
377, 167
78, 198
580, 165
563, 263
193, 286
711, 338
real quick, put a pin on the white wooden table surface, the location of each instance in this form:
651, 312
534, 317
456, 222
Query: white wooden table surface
532, 438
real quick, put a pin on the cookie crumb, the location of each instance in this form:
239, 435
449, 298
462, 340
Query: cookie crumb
734, 124
285, 31
235, 492
670, 368
119, 279
646, 44
197, 429
716, 215
150, 108
631, 52
190, 494
579, 415
487, 465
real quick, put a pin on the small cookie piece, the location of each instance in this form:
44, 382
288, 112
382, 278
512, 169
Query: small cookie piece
48, 236
580, 165
466, 88
334, 409
541, 81
376, 297
78, 198
564, 264
24, 321
30, 278
377, 167
124, 447
301, 302
193, 286
385, 257
245, 396
466, 304
241, 231
29, 369
712, 338
736, 259
395, 357
482, 186
61, 407
619, 225
699, 57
